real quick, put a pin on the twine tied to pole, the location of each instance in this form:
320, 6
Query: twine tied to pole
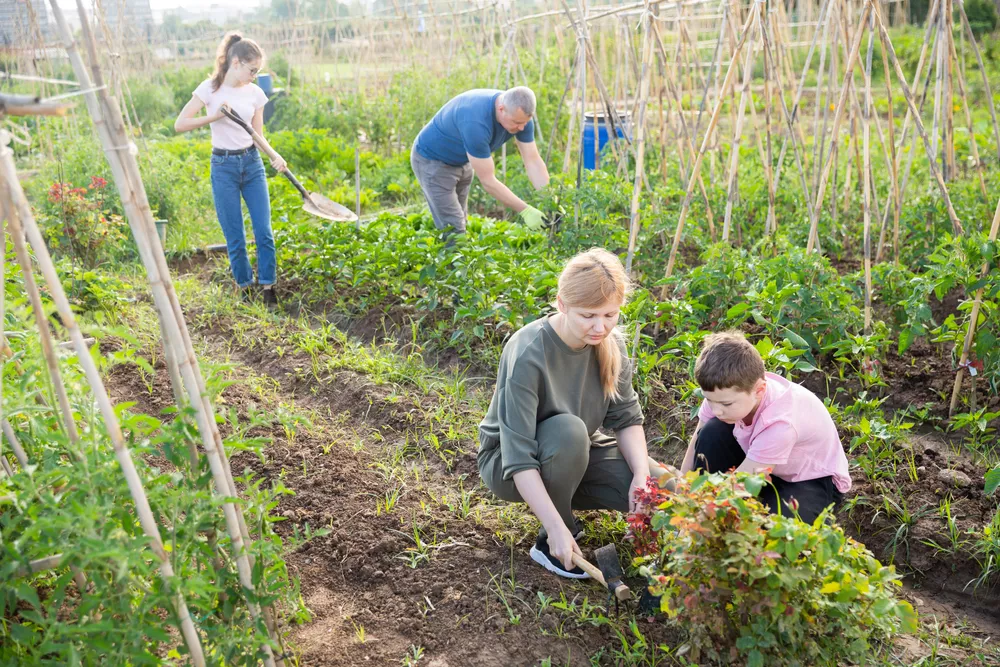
974, 366
74, 93
130, 147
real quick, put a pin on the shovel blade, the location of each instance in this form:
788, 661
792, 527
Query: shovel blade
322, 207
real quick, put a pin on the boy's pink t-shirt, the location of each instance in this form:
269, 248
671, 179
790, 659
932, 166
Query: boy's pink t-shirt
793, 433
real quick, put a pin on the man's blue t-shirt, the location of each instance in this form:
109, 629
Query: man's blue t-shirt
467, 124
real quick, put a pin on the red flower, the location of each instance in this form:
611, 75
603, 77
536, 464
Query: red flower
97, 183
57, 191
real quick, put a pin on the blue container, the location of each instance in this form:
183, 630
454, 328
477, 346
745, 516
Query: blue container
602, 136
266, 83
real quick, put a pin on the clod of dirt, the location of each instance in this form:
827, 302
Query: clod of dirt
955, 478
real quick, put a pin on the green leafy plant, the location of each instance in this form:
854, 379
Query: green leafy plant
77, 220
761, 588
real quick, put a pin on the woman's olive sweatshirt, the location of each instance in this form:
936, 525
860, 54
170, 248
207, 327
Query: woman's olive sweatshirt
541, 376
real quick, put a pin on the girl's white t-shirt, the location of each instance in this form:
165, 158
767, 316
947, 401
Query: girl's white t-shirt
244, 101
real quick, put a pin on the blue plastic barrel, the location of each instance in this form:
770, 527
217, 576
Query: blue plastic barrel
266, 83
602, 136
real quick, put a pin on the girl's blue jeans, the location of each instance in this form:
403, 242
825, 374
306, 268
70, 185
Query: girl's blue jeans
233, 176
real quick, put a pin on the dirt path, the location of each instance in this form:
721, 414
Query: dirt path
369, 605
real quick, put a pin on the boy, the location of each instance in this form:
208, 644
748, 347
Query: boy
752, 420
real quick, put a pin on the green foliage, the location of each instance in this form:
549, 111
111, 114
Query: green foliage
489, 284
72, 499
762, 589
982, 16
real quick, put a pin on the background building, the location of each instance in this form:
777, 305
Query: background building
16, 25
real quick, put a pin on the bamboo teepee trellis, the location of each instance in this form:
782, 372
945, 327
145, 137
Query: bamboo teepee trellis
182, 365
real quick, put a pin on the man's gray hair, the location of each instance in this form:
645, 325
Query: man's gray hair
520, 97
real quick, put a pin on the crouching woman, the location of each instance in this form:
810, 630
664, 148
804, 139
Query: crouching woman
561, 378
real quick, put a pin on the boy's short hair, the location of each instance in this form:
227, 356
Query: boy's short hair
728, 360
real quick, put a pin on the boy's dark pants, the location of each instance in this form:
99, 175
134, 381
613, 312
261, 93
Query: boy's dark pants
716, 450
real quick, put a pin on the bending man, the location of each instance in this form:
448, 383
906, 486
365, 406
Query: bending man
460, 141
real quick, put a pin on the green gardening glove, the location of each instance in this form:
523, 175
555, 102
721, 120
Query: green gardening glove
533, 218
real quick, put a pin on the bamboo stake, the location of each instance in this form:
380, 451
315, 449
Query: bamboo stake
713, 121
734, 151
887, 45
15, 444
572, 119
823, 21
838, 117
772, 223
893, 171
930, 35
819, 137
640, 130
982, 71
108, 123
788, 120
21, 212
867, 177
65, 414
688, 145
963, 362
949, 96
973, 144
939, 69
584, 40
562, 100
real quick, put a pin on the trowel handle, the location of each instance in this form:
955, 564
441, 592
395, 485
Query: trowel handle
594, 572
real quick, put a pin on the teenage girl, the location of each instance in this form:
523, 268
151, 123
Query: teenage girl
237, 168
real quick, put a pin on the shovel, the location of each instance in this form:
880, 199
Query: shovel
313, 202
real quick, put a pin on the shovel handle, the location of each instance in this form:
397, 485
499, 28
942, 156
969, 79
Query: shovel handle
264, 146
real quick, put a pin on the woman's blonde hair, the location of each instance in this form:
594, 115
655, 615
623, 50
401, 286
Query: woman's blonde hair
233, 45
590, 280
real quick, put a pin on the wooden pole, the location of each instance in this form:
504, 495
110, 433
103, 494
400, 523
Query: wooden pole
65, 413
867, 175
838, 116
640, 131
734, 152
562, 100
963, 362
823, 23
893, 170
982, 71
688, 146
973, 144
947, 17
788, 120
20, 212
713, 121
887, 45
